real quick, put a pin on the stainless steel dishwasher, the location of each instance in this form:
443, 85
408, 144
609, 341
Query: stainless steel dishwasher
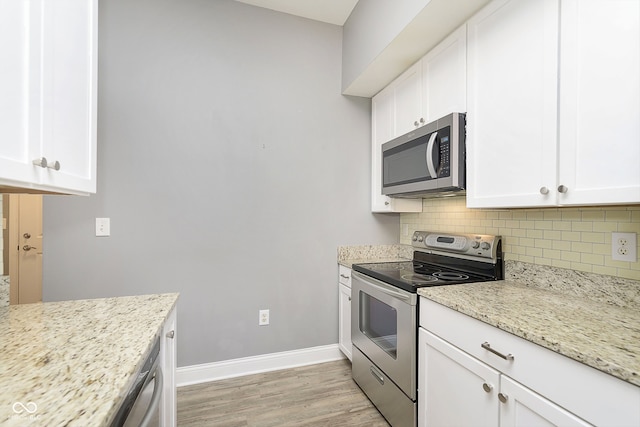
141, 406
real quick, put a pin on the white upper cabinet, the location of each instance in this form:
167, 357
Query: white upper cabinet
512, 79
430, 89
408, 100
48, 70
18, 80
553, 103
383, 129
444, 77
599, 150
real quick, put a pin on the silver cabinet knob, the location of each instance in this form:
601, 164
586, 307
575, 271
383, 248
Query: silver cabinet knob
42, 162
171, 334
503, 397
349, 298
487, 387
562, 189
544, 190
416, 123
421, 120
386, 203
27, 248
55, 165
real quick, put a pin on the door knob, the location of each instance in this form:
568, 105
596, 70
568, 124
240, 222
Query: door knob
27, 248
26, 235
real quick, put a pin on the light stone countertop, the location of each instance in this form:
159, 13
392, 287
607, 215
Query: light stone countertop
71, 363
357, 254
599, 334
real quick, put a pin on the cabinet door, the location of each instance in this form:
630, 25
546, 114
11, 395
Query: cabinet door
168, 406
521, 407
444, 74
512, 81
344, 320
454, 389
408, 100
19, 90
69, 73
383, 130
600, 102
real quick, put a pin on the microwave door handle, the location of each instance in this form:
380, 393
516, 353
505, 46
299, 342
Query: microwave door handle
430, 166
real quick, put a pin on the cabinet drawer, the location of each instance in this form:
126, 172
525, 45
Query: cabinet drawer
344, 275
596, 397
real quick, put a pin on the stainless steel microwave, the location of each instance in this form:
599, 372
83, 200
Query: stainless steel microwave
428, 161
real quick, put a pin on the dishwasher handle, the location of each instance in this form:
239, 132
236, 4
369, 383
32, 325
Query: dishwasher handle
155, 398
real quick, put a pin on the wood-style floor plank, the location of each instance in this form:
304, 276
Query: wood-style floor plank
316, 395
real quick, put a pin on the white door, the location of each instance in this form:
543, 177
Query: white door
408, 102
19, 90
344, 320
444, 77
382, 130
521, 407
69, 93
454, 389
599, 157
512, 81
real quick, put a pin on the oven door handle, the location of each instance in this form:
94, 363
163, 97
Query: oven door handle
384, 288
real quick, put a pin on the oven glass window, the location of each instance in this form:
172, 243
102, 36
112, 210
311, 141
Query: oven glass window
379, 322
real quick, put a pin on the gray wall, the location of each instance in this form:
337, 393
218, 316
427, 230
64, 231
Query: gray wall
231, 168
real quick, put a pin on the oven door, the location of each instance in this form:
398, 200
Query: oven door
383, 327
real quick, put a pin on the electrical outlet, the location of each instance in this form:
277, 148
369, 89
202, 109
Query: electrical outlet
263, 317
103, 227
623, 247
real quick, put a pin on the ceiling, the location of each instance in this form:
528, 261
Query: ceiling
331, 11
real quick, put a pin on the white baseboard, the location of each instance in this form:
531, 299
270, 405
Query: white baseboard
196, 374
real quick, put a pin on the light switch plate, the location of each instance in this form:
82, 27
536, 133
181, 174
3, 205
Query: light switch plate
103, 227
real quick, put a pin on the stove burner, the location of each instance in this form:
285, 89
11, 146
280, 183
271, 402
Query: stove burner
449, 275
419, 279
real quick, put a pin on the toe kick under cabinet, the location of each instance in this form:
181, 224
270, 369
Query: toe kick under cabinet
472, 374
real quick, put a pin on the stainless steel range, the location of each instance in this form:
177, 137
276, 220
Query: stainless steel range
384, 310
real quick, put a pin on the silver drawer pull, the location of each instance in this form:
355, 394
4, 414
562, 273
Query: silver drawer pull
503, 397
345, 277
487, 346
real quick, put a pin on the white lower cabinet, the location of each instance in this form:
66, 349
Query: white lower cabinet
168, 406
457, 389
473, 374
344, 310
450, 380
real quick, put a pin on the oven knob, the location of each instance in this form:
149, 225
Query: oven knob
476, 245
485, 246
415, 238
420, 238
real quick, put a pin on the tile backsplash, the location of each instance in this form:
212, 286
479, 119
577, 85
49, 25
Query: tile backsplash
577, 238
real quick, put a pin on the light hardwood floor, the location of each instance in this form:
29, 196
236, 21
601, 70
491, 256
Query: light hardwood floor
316, 395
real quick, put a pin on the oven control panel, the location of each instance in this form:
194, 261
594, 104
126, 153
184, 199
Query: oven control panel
473, 245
